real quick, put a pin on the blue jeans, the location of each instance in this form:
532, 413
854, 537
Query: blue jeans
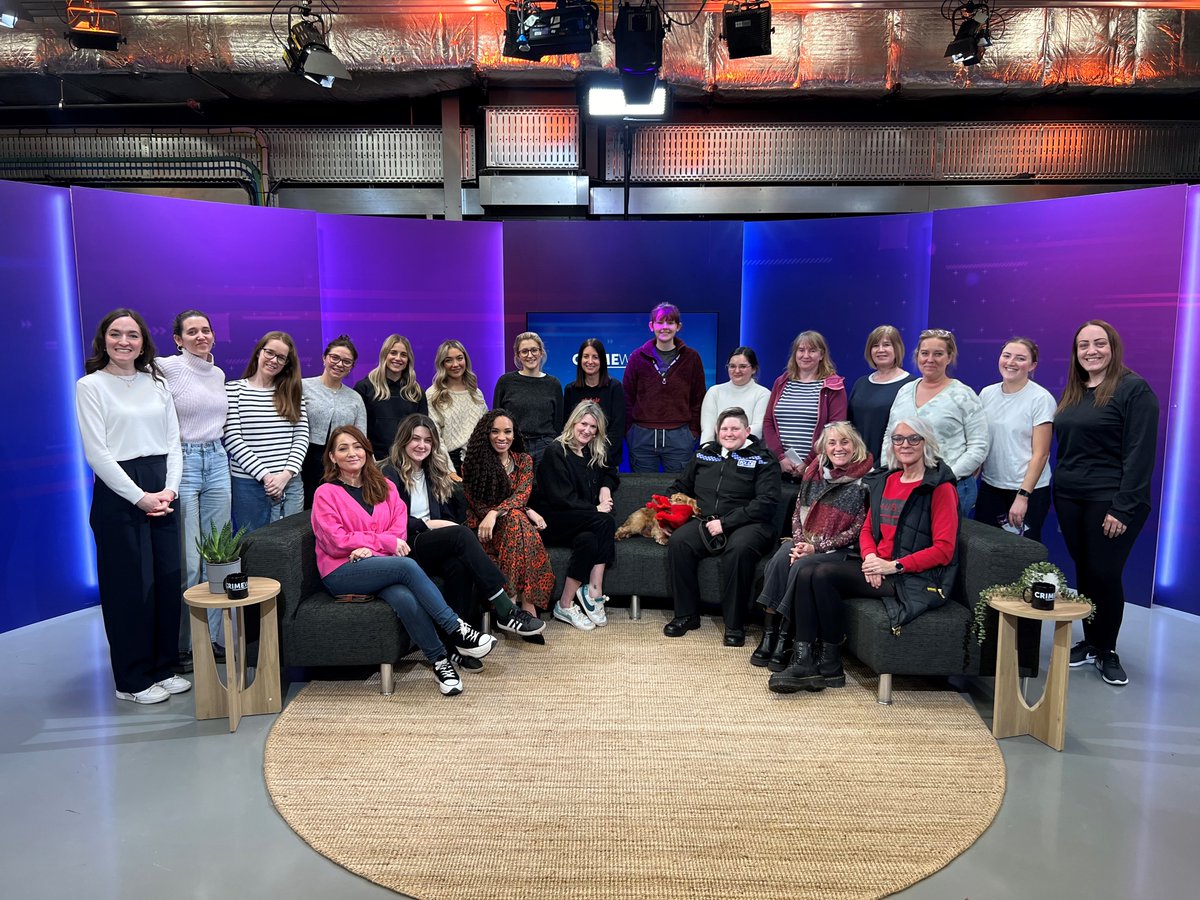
648, 447
204, 501
408, 591
253, 509
968, 491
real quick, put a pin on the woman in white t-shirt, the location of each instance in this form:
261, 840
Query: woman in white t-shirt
1014, 490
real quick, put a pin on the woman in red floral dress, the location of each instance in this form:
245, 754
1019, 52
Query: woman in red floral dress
497, 480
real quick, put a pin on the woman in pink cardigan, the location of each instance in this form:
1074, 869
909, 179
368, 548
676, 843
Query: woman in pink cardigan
361, 527
804, 399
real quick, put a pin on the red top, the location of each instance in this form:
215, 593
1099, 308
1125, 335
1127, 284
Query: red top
945, 525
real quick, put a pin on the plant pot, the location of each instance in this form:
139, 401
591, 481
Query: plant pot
217, 573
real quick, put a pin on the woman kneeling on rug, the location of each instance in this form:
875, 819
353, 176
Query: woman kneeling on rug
909, 546
440, 543
361, 524
830, 511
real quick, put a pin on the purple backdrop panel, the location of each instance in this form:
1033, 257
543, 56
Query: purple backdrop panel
46, 551
1041, 270
1178, 568
624, 267
839, 277
429, 281
252, 270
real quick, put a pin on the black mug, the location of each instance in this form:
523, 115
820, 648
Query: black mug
1043, 593
237, 586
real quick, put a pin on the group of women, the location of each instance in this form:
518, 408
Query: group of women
177, 450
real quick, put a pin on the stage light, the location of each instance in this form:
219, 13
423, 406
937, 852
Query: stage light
748, 28
8, 19
307, 50
609, 101
537, 29
972, 35
639, 38
91, 28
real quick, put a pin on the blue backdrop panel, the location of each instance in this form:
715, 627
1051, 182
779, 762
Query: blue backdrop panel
840, 277
48, 558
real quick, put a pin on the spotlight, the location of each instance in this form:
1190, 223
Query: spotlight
609, 101
537, 29
748, 28
8, 19
972, 35
91, 28
307, 50
639, 38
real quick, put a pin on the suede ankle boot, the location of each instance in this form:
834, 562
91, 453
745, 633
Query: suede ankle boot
801, 674
829, 664
766, 647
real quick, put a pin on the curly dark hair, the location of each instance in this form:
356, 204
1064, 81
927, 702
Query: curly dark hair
484, 479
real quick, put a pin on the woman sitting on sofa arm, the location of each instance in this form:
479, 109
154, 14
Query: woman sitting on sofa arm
361, 526
909, 546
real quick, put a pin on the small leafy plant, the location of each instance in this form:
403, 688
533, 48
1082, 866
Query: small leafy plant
1036, 572
221, 546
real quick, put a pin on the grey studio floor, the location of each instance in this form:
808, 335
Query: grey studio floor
107, 799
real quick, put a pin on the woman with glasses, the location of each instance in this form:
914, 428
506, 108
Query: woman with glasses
952, 410
534, 398
455, 402
909, 547
390, 392
266, 434
330, 405
741, 390
804, 399
593, 384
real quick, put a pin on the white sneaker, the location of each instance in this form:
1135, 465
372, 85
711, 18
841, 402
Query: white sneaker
175, 685
153, 694
592, 608
573, 616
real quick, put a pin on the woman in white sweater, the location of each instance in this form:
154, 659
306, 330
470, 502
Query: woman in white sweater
742, 389
952, 410
455, 402
131, 441
197, 386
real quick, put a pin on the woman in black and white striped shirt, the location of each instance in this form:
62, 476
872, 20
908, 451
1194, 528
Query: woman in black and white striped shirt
804, 399
266, 434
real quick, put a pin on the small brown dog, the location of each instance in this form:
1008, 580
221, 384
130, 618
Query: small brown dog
644, 522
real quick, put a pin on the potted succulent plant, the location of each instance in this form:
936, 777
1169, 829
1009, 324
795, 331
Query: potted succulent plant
222, 554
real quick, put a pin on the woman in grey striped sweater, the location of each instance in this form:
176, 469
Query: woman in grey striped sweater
266, 434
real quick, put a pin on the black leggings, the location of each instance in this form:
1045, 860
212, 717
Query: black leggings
993, 503
588, 533
1099, 563
818, 605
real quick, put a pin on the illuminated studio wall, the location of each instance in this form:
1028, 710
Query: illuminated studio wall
1037, 269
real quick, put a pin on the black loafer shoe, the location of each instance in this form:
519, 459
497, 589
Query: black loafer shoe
533, 638
184, 665
218, 653
465, 662
735, 637
681, 625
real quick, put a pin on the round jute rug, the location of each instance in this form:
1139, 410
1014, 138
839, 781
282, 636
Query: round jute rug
619, 763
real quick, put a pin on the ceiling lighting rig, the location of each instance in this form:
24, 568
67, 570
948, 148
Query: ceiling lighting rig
91, 28
306, 50
975, 26
747, 28
536, 28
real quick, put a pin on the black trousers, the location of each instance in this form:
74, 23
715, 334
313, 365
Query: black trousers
743, 548
818, 604
1099, 563
312, 470
453, 553
588, 533
139, 571
993, 503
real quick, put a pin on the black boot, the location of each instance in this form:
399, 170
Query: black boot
783, 650
766, 647
801, 675
829, 664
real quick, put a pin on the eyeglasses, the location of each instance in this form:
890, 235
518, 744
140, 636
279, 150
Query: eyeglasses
282, 358
530, 351
911, 439
341, 362
936, 333
738, 368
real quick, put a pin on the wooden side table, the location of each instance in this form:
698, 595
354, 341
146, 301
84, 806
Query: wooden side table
1046, 720
233, 699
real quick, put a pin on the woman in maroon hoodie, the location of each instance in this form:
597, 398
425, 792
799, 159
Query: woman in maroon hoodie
804, 399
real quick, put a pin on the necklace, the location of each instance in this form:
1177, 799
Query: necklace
128, 379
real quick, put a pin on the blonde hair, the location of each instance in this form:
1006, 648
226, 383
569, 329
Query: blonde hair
437, 470
878, 336
439, 393
409, 388
824, 369
599, 443
528, 336
846, 430
937, 334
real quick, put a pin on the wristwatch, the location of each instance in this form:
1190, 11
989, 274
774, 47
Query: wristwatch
899, 566
1021, 492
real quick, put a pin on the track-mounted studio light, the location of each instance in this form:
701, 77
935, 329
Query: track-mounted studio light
747, 28
608, 101
972, 23
538, 28
307, 50
8, 19
92, 28
639, 38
